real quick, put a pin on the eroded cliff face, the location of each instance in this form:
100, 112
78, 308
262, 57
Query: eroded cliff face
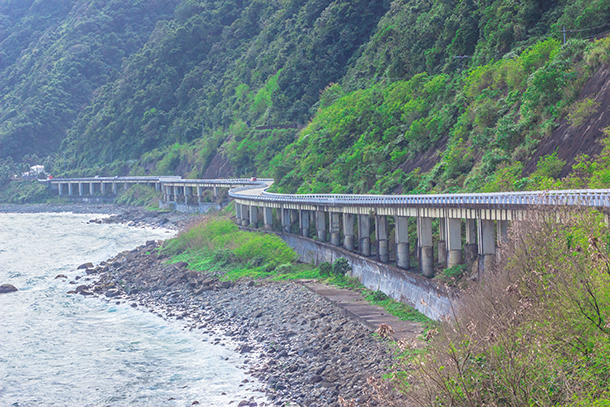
570, 140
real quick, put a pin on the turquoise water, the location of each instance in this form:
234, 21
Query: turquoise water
58, 349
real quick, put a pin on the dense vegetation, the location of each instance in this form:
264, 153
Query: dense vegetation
323, 95
536, 333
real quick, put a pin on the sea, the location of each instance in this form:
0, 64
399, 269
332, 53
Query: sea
60, 349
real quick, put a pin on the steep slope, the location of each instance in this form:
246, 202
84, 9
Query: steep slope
222, 64
55, 54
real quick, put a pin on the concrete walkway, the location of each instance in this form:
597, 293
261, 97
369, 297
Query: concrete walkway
369, 315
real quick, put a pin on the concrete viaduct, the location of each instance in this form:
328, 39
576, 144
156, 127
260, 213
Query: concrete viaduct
467, 227
470, 226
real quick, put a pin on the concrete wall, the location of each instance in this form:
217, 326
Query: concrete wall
180, 207
428, 297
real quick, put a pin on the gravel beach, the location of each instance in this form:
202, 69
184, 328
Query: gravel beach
300, 347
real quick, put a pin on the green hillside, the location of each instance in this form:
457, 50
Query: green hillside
325, 96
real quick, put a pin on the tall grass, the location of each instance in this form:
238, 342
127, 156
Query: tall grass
534, 333
221, 238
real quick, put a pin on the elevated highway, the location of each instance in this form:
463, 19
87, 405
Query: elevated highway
449, 229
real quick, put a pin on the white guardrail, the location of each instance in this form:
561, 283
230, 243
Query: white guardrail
581, 197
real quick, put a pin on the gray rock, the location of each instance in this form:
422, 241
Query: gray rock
7, 288
112, 293
85, 266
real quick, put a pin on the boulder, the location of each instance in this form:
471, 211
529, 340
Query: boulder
112, 292
85, 266
60, 276
7, 288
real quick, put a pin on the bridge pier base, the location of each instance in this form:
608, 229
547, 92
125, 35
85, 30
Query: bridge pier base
348, 231
402, 242
80, 189
471, 247
364, 234
268, 218
253, 216
286, 220
381, 233
335, 231
238, 213
304, 222
442, 243
199, 195
487, 247
454, 241
245, 215
70, 189
321, 225
426, 255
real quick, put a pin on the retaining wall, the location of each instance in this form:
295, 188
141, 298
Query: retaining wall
427, 296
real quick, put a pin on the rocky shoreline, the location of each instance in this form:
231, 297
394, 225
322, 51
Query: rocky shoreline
300, 347
130, 215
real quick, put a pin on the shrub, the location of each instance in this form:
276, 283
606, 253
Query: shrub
581, 111
325, 269
536, 332
341, 267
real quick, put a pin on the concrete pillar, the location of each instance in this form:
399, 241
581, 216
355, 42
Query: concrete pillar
215, 192
114, 187
286, 220
294, 218
502, 232
175, 193
91, 188
125, 186
80, 189
237, 213
402, 242
304, 222
335, 229
253, 216
381, 235
70, 189
199, 193
102, 188
471, 247
245, 215
424, 238
157, 186
442, 243
321, 225
268, 218
59, 190
454, 241
348, 231
487, 247
364, 234
187, 192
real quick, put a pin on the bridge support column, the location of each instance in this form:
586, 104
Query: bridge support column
502, 226
215, 192
187, 192
426, 255
103, 188
114, 188
125, 186
381, 234
470, 249
238, 213
175, 194
348, 231
454, 241
157, 186
286, 220
268, 218
70, 189
364, 234
402, 242
253, 216
80, 189
199, 193
487, 247
294, 219
321, 225
442, 242
245, 215
335, 229
59, 189
304, 222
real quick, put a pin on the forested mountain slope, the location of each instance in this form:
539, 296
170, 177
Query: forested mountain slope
54, 55
325, 96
